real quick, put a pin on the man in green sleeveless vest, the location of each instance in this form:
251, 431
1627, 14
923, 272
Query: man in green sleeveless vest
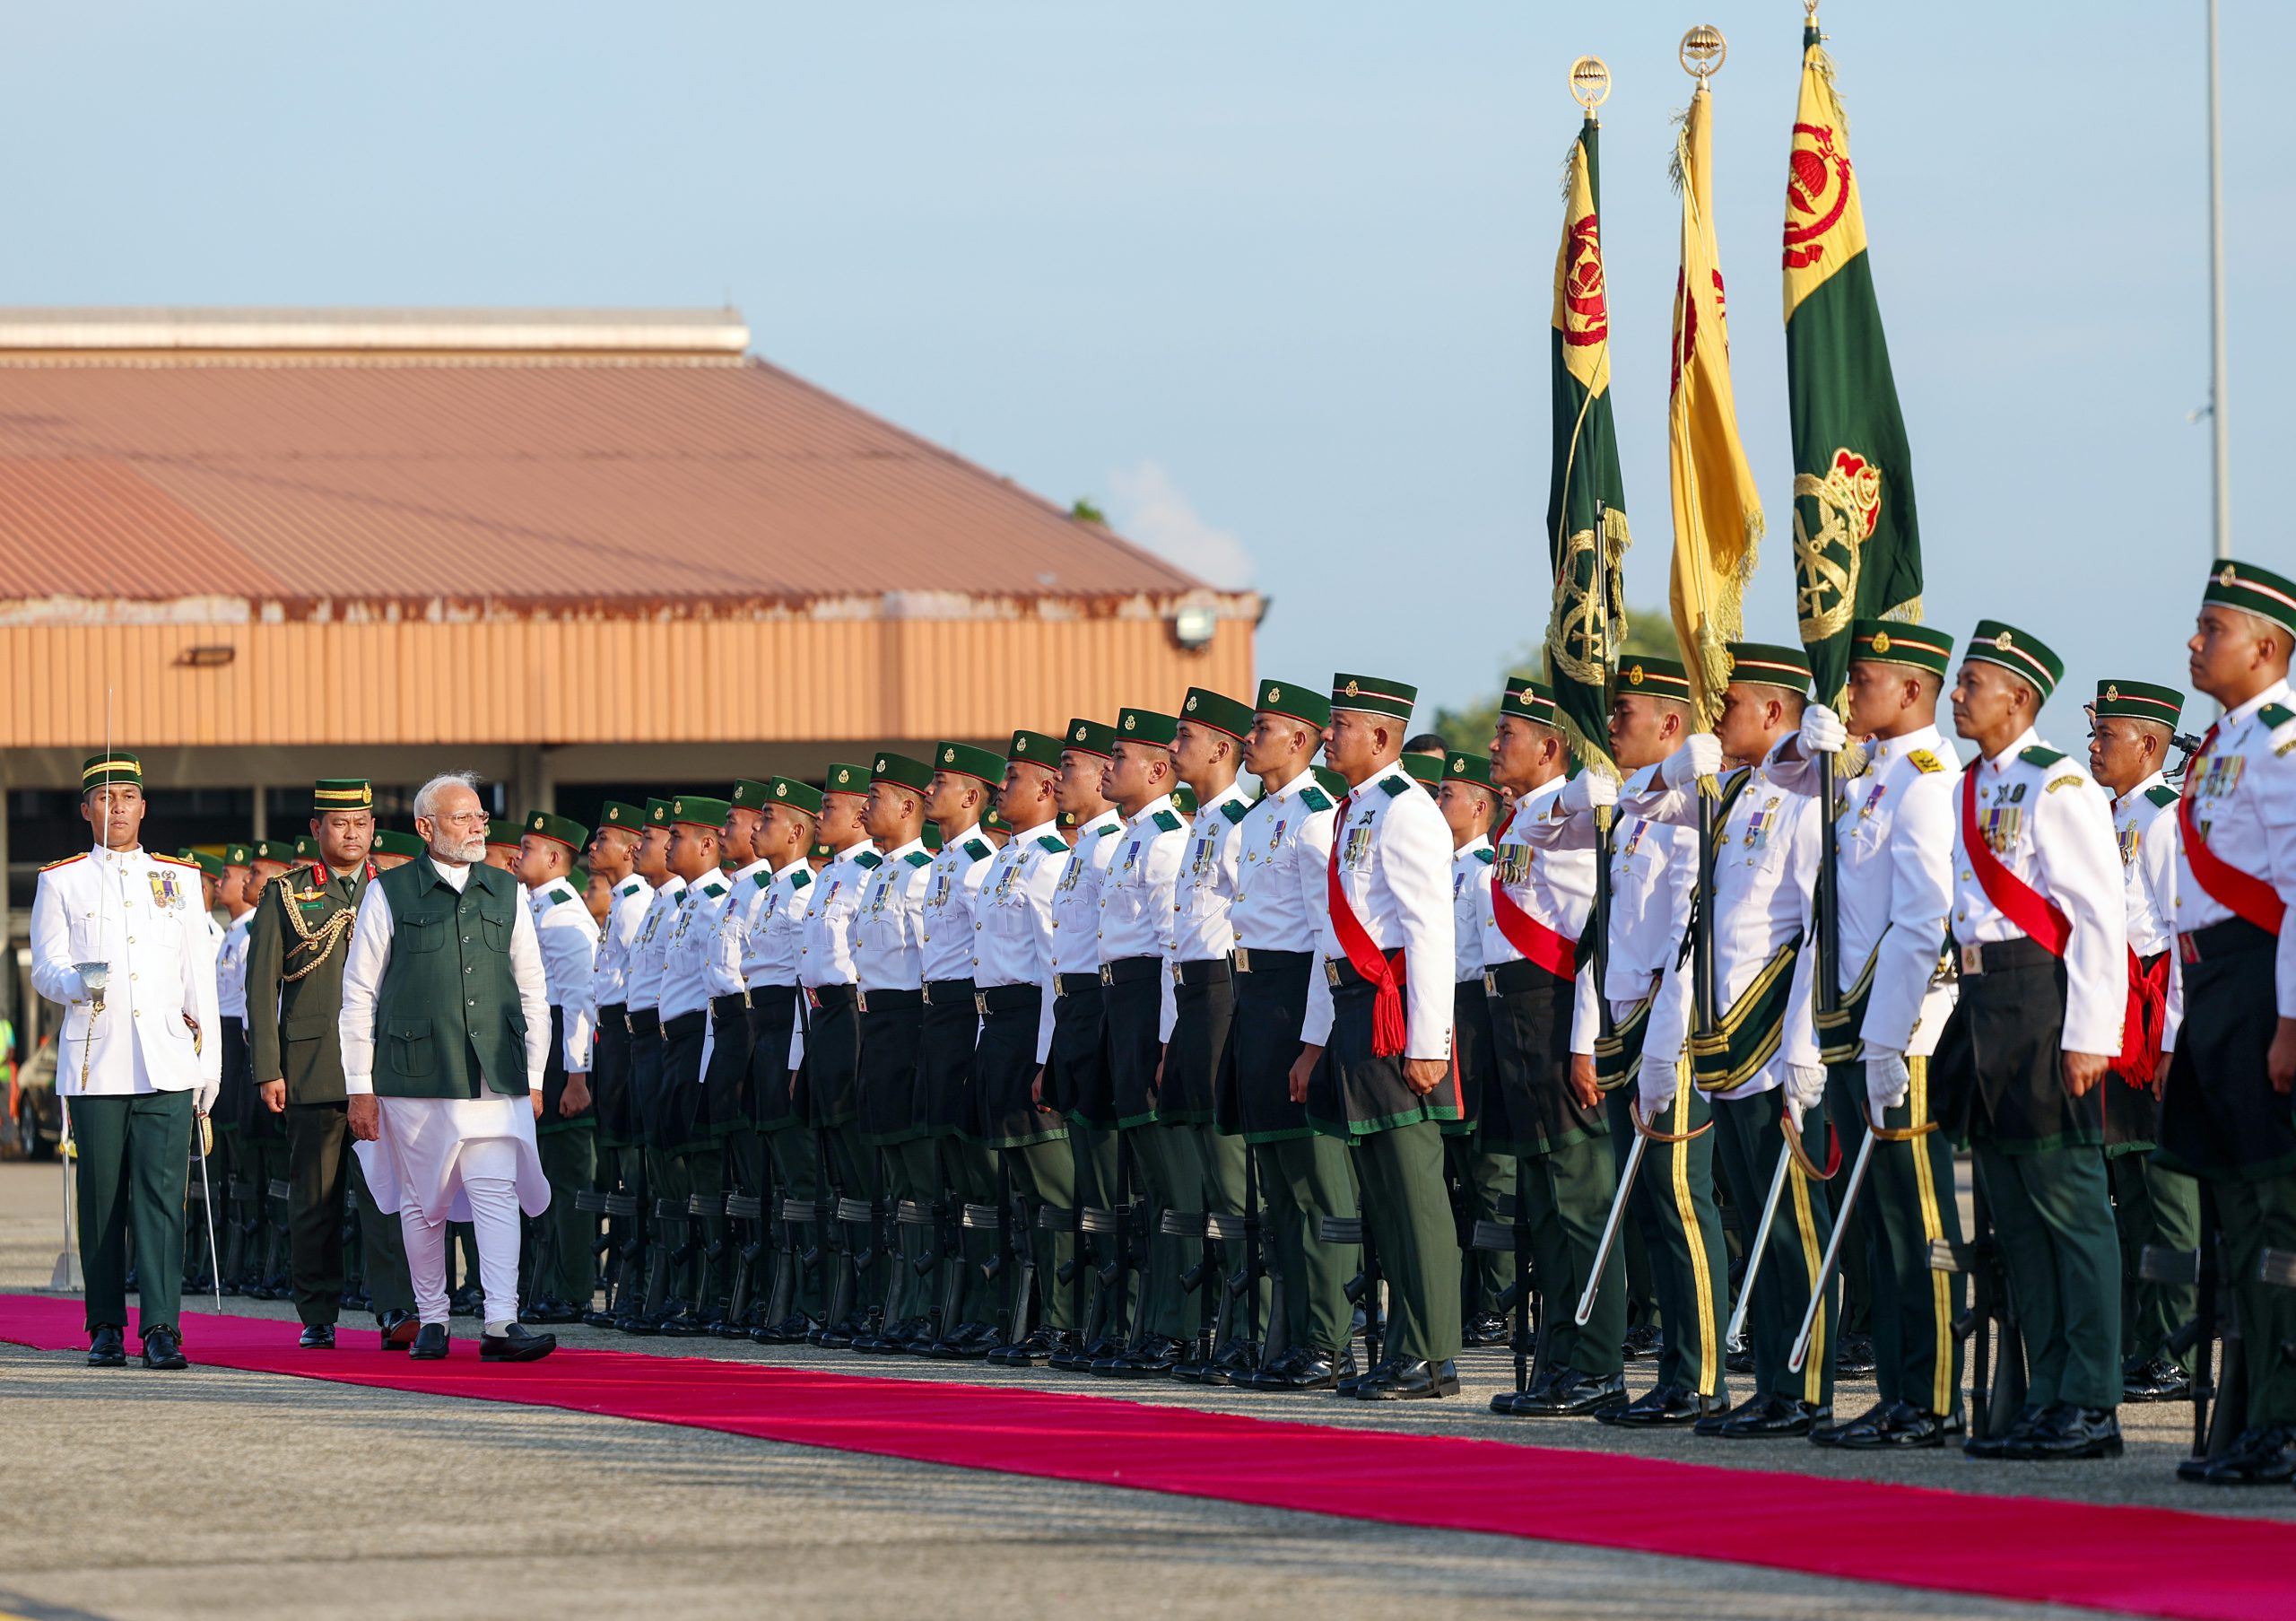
446, 1037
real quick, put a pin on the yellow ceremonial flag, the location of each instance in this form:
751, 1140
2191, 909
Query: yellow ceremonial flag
1717, 513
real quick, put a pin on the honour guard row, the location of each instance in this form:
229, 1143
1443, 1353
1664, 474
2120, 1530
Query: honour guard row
1079, 1055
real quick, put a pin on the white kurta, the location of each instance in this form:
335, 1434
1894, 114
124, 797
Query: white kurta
418, 1155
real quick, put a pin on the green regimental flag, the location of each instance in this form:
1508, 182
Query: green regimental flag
1589, 620
1856, 544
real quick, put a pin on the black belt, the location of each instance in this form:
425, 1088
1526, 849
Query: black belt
2229, 938
683, 1025
1338, 971
2002, 955
947, 993
1073, 984
1203, 971
1513, 978
1007, 999
728, 1007
1126, 970
830, 996
1257, 961
643, 1021
888, 999
615, 1015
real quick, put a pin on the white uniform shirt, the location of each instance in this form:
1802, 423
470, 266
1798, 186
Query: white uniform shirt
1137, 894
363, 977
1394, 873
1205, 892
889, 927
232, 967
825, 956
641, 985
2242, 788
2144, 822
568, 937
2049, 823
1283, 876
1893, 837
1076, 912
626, 911
141, 915
723, 974
952, 894
774, 932
685, 960
1470, 900
1012, 915
1555, 885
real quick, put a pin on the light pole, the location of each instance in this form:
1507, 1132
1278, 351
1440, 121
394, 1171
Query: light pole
2218, 414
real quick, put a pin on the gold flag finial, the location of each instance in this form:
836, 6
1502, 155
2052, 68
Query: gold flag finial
1590, 83
1703, 52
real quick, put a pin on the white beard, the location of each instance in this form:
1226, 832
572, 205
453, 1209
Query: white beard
468, 853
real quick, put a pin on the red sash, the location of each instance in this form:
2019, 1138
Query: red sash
1557, 954
2243, 895
2145, 1021
2014, 899
1390, 1032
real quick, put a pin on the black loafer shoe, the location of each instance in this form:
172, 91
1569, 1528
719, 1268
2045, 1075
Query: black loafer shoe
2265, 1456
430, 1343
163, 1350
1668, 1407
2068, 1431
107, 1347
1711, 1425
1413, 1382
514, 1344
398, 1328
317, 1336
1997, 1446
1776, 1418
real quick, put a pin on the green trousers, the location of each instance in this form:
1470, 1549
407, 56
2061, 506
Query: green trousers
1906, 1204
263, 1161
913, 1176
1221, 1160
1480, 1180
2055, 1223
2152, 1205
1752, 1141
134, 1161
1164, 1158
1408, 1212
795, 1153
2257, 1215
969, 1176
1312, 1177
1045, 1174
1567, 1193
1092, 1163
1690, 1267
569, 1159
323, 1175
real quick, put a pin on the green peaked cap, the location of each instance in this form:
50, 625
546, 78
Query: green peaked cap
2019, 651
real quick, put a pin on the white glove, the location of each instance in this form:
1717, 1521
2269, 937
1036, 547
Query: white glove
1822, 732
1589, 790
203, 1095
1887, 1078
1654, 1083
1805, 1089
1701, 755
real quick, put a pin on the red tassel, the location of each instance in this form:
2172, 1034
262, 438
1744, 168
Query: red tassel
1390, 1028
2143, 1024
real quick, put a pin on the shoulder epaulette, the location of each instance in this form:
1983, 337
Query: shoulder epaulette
631, 885
763, 880
868, 861
1924, 761
712, 890
1397, 785
1235, 810
918, 858
2041, 754
1315, 798
558, 894
978, 848
1053, 842
2162, 795
1168, 820
67, 861
1486, 856
2275, 715
801, 878
2070, 780
173, 860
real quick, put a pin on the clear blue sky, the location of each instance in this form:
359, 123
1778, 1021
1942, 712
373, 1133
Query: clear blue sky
1269, 280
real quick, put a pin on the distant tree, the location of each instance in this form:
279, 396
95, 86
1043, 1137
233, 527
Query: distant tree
1648, 632
1083, 510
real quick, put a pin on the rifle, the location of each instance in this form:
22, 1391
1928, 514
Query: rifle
1996, 1394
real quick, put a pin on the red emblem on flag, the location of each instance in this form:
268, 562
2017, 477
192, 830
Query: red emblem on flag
1587, 315
1817, 189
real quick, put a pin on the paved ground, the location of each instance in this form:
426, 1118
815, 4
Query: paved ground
221, 1492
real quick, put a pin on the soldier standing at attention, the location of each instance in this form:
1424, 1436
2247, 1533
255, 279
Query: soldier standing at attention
2224, 1103
730, 1112
614, 857
263, 1147
693, 1172
1375, 1066
237, 1102
566, 1136
830, 1028
1470, 806
2131, 725
2043, 937
642, 981
296, 952
119, 939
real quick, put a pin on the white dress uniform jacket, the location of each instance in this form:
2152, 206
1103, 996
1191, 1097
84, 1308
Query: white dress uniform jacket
1137, 894
825, 954
1394, 872
231, 966
889, 927
1469, 900
1204, 895
568, 937
1283, 882
952, 894
2242, 790
1076, 913
634, 898
642, 970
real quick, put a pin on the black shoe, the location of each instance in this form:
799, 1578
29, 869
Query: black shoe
549, 1309
1073, 1356
514, 1344
1711, 1425
465, 1300
1030, 1352
317, 1336
430, 1343
682, 1325
107, 1347
791, 1330
1156, 1356
1853, 1356
2066, 1432
1274, 1372
163, 1350
1487, 1329
967, 1342
1567, 1394
1354, 1382
1775, 1418
1643, 1344
1314, 1370
2159, 1380
1911, 1426
398, 1327
1874, 1418
600, 1319
1997, 1446
1418, 1381
2264, 1456
1668, 1407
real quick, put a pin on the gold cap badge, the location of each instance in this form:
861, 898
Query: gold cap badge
1275, 694
2004, 642
2113, 693
1634, 675
1191, 703
1128, 723
1881, 641
1351, 689
948, 756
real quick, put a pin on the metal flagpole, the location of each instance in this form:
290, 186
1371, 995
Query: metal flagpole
2218, 416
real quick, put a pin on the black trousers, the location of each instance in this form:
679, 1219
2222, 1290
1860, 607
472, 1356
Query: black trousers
322, 1173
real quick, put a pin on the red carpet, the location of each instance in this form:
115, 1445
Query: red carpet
2155, 1561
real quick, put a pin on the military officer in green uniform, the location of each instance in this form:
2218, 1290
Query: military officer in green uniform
294, 985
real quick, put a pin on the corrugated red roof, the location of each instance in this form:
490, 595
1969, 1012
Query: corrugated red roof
610, 486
